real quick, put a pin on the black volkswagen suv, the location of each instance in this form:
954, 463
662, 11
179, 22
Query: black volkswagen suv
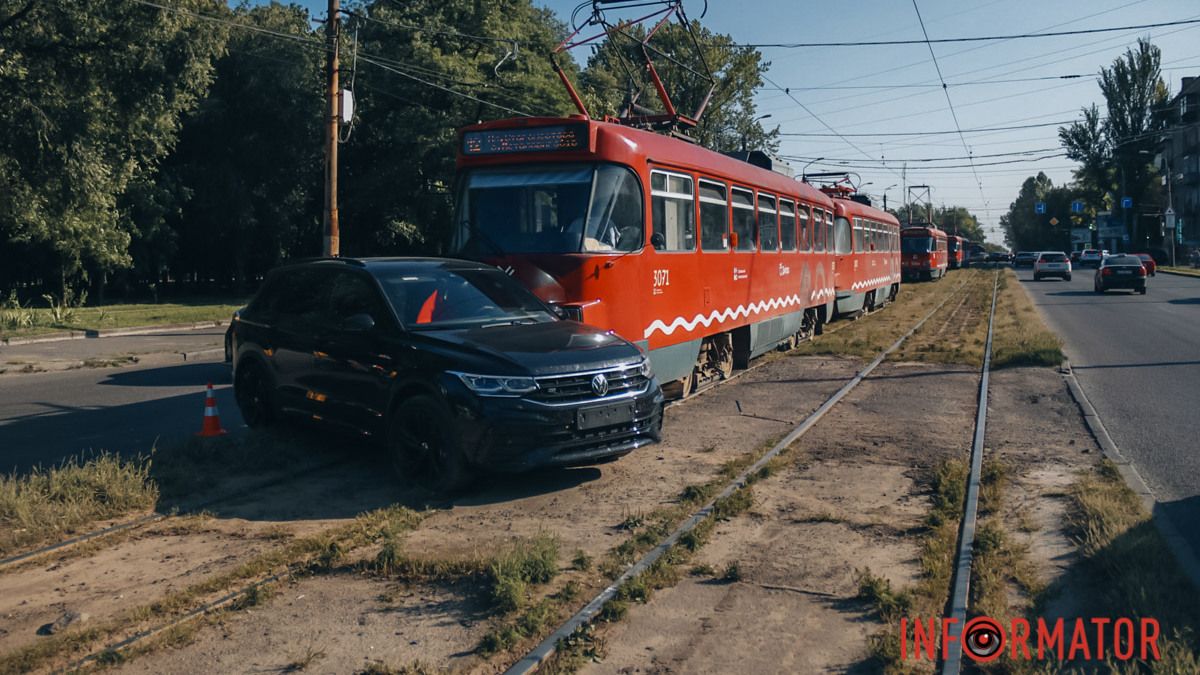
452, 363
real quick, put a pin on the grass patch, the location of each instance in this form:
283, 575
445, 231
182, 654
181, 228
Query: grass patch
1020, 337
24, 320
1128, 565
527, 562
1185, 271
49, 504
868, 336
957, 333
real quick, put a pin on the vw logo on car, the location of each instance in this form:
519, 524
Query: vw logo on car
600, 385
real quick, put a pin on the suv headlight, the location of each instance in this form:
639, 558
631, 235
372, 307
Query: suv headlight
645, 369
497, 385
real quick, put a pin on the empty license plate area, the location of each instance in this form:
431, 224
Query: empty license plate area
604, 416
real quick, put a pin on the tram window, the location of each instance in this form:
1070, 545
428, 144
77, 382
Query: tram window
615, 217
673, 212
858, 236
714, 217
787, 225
842, 240
743, 220
768, 223
805, 232
818, 231
828, 229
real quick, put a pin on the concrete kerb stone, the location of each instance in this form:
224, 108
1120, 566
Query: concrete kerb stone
1179, 546
111, 332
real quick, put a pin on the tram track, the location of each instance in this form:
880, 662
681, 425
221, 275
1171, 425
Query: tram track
234, 595
531, 661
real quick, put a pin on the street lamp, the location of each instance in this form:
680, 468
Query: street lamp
805, 169
747, 131
885, 194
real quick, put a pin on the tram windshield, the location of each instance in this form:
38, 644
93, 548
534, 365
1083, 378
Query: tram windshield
553, 208
916, 244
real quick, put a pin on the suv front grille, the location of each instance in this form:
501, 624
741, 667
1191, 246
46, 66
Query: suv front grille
577, 387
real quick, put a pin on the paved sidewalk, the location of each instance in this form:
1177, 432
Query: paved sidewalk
111, 351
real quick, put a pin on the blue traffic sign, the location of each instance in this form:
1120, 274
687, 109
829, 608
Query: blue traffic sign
1076, 206
1126, 202
1039, 207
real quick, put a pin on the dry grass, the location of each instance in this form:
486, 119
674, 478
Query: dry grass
48, 504
23, 320
1021, 337
958, 332
868, 336
1185, 271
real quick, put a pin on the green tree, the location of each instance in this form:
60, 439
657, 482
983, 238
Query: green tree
953, 219
1025, 229
91, 95
418, 63
728, 123
1114, 154
243, 189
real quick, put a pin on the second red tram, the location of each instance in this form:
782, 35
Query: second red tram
956, 252
923, 252
703, 260
867, 250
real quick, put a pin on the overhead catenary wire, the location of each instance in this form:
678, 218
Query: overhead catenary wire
979, 38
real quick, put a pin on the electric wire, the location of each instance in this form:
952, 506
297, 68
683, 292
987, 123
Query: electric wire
981, 38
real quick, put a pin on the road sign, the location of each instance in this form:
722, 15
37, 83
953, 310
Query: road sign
1127, 202
1039, 207
1076, 206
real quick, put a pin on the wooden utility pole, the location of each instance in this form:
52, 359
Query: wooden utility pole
332, 245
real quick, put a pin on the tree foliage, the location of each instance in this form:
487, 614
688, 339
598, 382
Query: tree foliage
953, 219
1025, 229
613, 78
1114, 152
91, 94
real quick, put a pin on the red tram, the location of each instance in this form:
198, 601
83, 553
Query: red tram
867, 252
704, 260
923, 252
956, 252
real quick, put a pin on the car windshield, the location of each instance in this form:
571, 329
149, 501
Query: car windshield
916, 244
1054, 257
437, 297
559, 208
1115, 260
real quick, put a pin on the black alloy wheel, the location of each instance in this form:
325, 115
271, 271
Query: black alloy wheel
252, 391
424, 448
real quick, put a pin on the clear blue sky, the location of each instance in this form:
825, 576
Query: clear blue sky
925, 109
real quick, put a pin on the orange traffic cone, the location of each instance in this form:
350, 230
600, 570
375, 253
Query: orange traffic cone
212, 421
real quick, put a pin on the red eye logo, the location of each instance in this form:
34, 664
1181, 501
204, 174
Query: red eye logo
983, 639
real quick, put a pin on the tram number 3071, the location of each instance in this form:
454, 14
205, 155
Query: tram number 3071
662, 278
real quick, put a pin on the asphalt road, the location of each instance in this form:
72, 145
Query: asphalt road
1137, 358
45, 417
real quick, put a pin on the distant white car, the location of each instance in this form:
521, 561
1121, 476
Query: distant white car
1052, 264
1091, 257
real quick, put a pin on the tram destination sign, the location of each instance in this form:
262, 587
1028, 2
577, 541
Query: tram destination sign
532, 139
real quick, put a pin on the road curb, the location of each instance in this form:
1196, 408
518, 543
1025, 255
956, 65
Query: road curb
111, 332
191, 356
1187, 559
1180, 274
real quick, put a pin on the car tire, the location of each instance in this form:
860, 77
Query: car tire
1067, 278
1141, 291
255, 395
423, 446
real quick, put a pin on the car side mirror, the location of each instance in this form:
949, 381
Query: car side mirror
357, 323
559, 311
658, 241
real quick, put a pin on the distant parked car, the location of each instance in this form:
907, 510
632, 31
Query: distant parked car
1121, 271
1075, 257
1052, 264
453, 364
1090, 257
979, 257
1148, 262
1024, 259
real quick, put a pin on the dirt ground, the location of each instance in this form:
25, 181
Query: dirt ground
852, 502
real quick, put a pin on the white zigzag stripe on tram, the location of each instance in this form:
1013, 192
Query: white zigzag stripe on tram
722, 316
871, 282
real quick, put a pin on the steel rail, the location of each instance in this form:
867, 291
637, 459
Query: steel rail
961, 587
531, 661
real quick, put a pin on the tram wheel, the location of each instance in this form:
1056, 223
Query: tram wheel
681, 388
